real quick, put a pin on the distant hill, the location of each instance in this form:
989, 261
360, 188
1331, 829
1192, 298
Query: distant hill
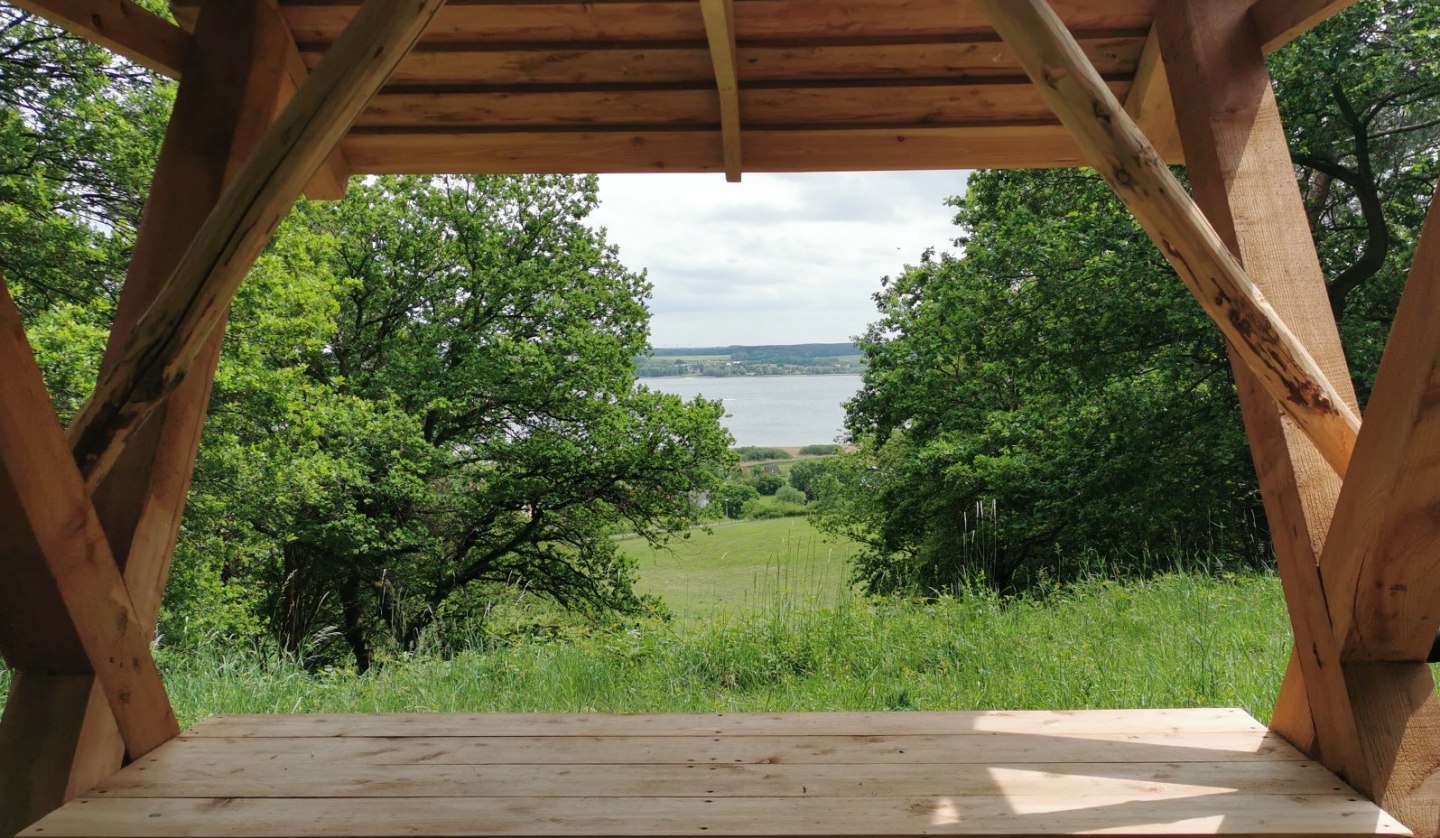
787, 359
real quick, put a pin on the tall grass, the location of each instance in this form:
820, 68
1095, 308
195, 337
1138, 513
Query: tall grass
1178, 640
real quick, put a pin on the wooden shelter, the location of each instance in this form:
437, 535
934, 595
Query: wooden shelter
280, 97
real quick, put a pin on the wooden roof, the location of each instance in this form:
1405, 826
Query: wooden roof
631, 86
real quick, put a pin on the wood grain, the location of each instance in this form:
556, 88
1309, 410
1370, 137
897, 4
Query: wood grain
1238, 158
41, 492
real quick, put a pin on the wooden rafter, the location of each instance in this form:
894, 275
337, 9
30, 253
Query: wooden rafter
332, 179
196, 297
1381, 564
1128, 161
45, 499
120, 26
1281, 21
1148, 101
720, 33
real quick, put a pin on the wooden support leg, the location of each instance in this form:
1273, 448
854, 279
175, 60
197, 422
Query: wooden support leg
1240, 171
223, 106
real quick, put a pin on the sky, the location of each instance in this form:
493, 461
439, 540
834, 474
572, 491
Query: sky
776, 258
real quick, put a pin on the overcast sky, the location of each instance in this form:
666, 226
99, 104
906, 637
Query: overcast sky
775, 258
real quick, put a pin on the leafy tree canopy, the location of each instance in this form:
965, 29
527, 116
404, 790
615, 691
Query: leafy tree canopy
1054, 398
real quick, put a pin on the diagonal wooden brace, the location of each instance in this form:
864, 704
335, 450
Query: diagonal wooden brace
194, 301
1118, 149
70, 562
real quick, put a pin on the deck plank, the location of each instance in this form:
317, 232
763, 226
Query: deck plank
731, 724
578, 816
1030, 773
972, 749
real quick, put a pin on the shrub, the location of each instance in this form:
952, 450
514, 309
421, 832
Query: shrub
808, 476
733, 497
751, 453
767, 484
789, 494
819, 450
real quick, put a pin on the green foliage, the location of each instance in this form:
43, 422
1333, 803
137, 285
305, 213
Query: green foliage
734, 495
808, 476
428, 397
790, 494
766, 483
820, 450
1059, 379
753, 453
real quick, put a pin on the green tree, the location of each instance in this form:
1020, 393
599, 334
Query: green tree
1059, 377
808, 476
434, 395
766, 483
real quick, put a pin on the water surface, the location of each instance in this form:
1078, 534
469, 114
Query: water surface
782, 410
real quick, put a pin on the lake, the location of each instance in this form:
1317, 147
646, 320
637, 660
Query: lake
781, 410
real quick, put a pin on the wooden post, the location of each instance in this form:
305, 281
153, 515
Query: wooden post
1112, 143
193, 302
1240, 171
224, 104
720, 32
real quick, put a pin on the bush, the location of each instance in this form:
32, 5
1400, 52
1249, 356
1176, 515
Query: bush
819, 450
767, 484
765, 508
807, 476
732, 498
789, 494
751, 453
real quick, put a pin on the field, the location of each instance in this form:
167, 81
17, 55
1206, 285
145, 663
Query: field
746, 566
763, 623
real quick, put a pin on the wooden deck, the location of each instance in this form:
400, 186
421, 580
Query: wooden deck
1149, 772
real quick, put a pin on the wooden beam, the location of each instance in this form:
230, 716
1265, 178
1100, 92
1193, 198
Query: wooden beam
1399, 721
720, 32
1281, 21
1148, 100
1238, 158
120, 26
1381, 565
41, 491
332, 179
52, 708
194, 301
1127, 160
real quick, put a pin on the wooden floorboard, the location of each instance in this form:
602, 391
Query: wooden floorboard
1159, 772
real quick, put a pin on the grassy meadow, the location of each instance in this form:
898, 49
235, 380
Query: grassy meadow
746, 567
763, 621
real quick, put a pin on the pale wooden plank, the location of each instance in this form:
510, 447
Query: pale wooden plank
891, 103
332, 179
1191, 720
173, 777
671, 20
719, 17
71, 563
1148, 98
812, 150
1381, 564
1127, 160
1279, 22
196, 298
120, 26
982, 749
1240, 170
996, 814
510, 65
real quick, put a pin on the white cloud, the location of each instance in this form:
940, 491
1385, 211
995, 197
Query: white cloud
775, 258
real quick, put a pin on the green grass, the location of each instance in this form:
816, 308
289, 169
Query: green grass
744, 566
1174, 641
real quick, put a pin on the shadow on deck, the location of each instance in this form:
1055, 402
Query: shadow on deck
1132, 772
